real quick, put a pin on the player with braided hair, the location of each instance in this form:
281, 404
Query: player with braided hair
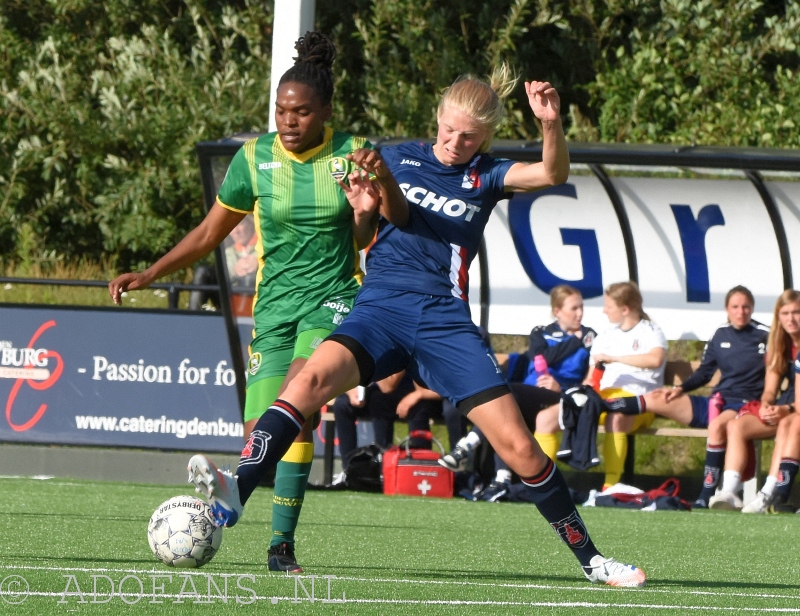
309, 230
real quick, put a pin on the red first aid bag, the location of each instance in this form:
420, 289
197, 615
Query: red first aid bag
416, 472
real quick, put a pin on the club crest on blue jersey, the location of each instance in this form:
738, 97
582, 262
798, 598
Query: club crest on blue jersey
338, 167
472, 178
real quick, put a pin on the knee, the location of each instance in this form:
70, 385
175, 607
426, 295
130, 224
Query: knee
655, 399
734, 429
617, 422
518, 447
718, 430
547, 420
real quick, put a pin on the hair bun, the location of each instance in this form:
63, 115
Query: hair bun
315, 48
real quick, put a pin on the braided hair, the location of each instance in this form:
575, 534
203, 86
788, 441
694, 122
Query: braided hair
313, 65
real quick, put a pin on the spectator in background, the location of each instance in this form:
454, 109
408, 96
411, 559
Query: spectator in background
565, 346
241, 261
737, 351
774, 495
634, 352
394, 397
240, 257
759, 420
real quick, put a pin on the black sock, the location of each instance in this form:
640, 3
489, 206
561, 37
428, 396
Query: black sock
629, 405
787, 471
715, 460
552, 498
269, 441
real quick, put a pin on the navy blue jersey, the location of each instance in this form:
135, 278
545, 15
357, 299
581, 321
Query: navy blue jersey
739, 354
449, 207
567, 356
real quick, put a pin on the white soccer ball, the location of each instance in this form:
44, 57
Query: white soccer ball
182, 532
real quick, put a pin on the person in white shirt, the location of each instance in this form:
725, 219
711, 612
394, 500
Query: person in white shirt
634, 353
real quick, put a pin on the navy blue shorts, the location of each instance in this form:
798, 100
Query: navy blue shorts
700, 409
432, 336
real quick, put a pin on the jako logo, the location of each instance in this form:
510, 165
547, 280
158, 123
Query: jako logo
452, 207
405, 161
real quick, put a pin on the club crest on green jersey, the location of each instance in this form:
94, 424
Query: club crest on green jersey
338, 166
254, 364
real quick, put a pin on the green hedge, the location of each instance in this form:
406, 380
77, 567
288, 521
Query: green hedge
103, 103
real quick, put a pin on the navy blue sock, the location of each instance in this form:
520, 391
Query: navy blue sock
715, 460
269, 441
787, 471
629, 405
551, 495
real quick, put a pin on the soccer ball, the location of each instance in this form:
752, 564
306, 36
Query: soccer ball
182, 532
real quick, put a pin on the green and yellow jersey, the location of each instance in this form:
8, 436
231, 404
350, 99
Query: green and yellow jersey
306, 249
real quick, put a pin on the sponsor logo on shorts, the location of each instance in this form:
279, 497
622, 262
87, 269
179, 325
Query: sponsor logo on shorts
338, 167
337, 306
254, 364
572, 530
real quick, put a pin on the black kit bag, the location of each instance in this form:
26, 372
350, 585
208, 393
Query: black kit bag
363, 469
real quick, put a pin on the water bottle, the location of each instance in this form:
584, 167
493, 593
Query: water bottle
715, 403
597, 375
540, 366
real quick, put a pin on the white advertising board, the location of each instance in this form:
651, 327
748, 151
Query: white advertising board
693, 240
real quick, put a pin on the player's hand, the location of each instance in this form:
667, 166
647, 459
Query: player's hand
126, 282
406, 404
771, 414
544, 100
370, 161
548, 382
672, 393
245, 265
362, 194
602, 357
355, 400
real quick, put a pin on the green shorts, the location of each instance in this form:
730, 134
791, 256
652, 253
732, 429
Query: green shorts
277, 345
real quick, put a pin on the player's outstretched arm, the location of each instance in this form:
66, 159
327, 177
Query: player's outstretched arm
200, 241
394, 206
554, 168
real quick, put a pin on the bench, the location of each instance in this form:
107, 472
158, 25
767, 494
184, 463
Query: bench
676, 372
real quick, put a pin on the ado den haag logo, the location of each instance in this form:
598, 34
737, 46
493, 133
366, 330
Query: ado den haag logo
31, 366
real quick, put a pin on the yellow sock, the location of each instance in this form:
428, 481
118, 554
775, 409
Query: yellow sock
549, 442
615, 450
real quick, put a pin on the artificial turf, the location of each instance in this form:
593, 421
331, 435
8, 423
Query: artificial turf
384, 555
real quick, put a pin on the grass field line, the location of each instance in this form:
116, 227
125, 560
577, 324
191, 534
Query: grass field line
393, 581
188, 598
